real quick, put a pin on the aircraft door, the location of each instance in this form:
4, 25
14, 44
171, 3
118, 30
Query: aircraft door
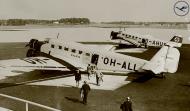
94, 59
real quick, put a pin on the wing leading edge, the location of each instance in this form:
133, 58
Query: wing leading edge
32, 63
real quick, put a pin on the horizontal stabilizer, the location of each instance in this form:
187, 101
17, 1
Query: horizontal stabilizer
165, 60
176, 41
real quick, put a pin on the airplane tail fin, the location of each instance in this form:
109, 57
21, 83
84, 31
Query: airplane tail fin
165, 60
176, 41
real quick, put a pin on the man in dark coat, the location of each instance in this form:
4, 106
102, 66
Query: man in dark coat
77, 77
126, 105
84, 92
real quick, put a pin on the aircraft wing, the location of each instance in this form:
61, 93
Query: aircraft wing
115, 46
72, 64
31, 63
131, 41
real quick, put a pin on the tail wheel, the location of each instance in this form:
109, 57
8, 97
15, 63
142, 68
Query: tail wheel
30, 53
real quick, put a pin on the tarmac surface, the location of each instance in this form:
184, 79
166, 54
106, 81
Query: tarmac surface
57, 89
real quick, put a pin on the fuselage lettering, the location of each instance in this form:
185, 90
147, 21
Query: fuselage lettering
124, 65
106, 60
129, 66
112, 62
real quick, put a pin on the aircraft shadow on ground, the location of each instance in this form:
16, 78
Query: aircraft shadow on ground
139, 77
32, 77
75, 100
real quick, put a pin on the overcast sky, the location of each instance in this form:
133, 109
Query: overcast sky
95, 10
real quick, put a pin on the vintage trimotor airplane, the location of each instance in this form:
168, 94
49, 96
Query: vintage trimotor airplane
58, 54
142, 41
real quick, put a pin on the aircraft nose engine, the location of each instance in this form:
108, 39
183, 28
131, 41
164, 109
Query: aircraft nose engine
113, 35
34, 47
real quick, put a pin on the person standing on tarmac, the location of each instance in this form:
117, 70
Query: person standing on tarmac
126, 105
99, 76
89, 71
77, 77
84, 92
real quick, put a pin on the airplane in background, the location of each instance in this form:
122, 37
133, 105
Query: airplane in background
142, 41
58, 54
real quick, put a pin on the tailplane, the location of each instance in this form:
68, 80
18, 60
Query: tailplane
176, 41
165, 60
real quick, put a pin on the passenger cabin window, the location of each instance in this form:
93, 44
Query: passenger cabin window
66, 49
52, 46
60, 47
80, 52
73, 50
87, 54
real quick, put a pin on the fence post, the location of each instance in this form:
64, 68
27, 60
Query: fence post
26, 106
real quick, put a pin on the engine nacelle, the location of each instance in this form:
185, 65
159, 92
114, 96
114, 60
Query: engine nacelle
35, 46
113, 35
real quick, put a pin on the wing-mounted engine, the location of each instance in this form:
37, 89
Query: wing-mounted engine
34, 47
114, 36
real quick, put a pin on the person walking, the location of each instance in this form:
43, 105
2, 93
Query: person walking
97, 77
89, 71
126, 105
101, 77
85, 89
77, 77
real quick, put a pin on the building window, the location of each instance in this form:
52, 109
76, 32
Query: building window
66, 49
80, 52
52, 46
60, 47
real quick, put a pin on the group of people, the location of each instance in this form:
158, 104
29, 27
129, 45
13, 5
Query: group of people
91, 70
85, 89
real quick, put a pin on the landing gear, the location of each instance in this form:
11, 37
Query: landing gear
163, 76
